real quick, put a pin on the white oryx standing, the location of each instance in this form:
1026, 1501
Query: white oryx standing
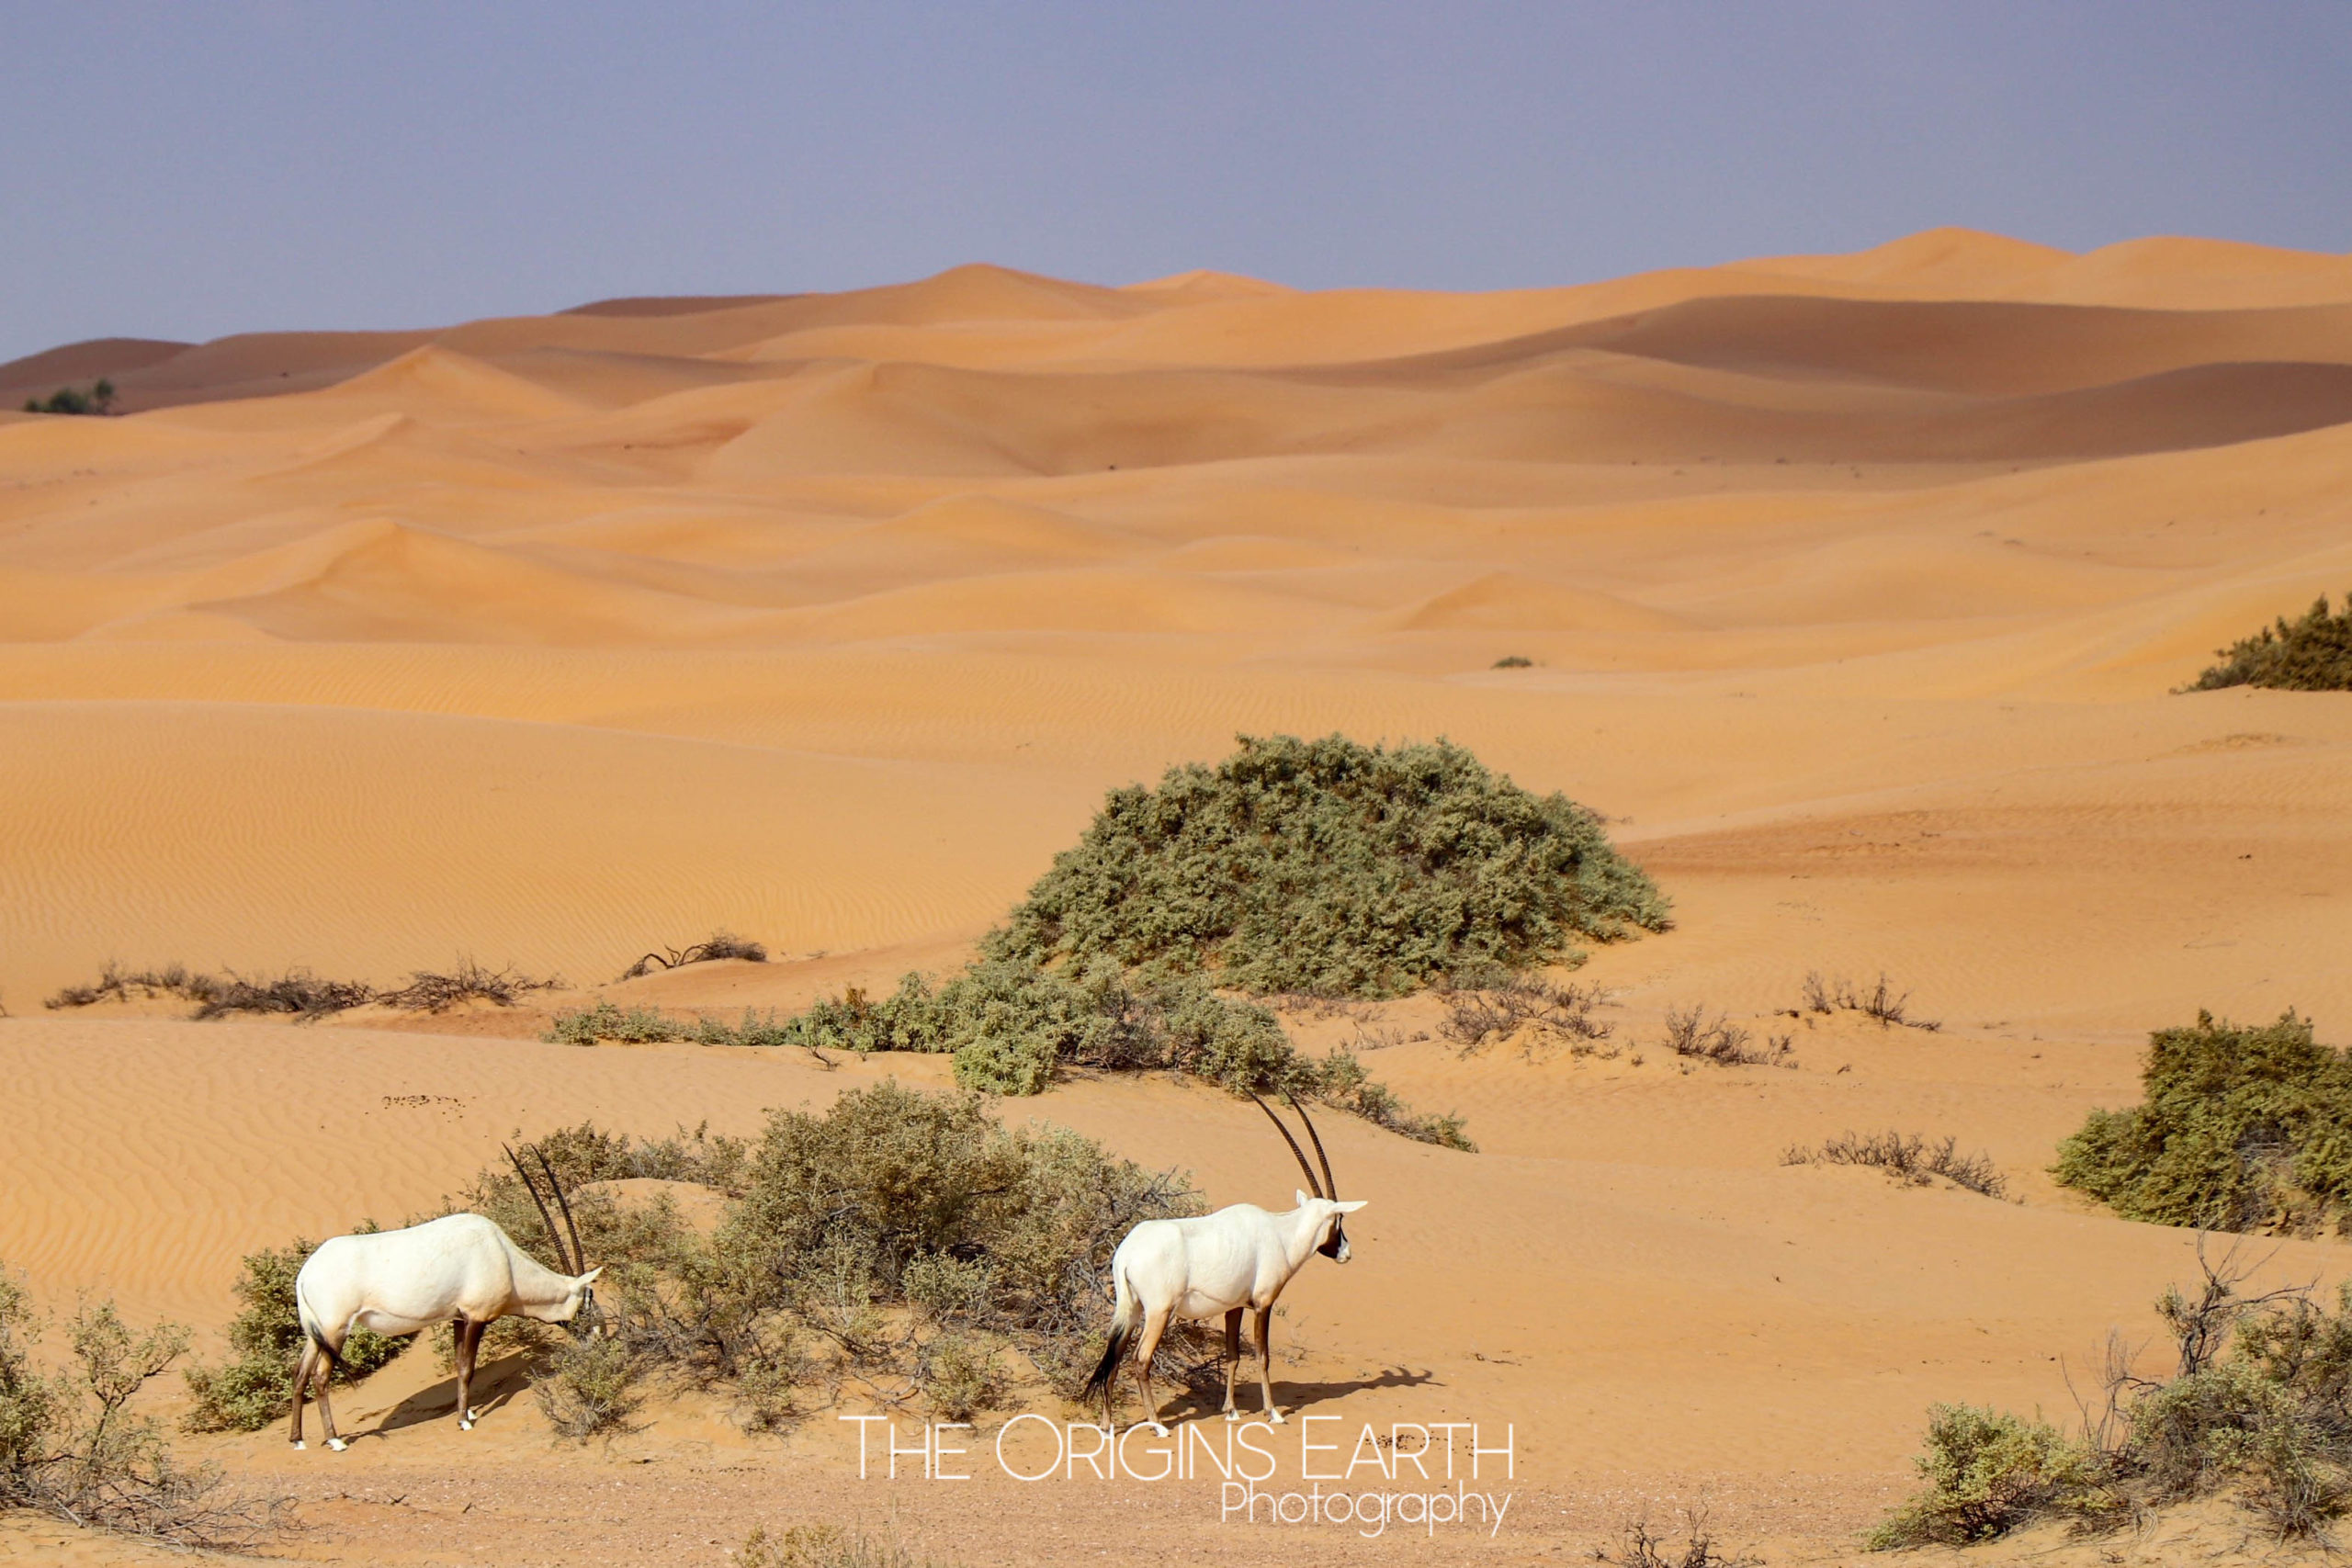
461, 1270
1236, 1259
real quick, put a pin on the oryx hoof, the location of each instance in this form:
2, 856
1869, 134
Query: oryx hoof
465, 1422
300, 1445
1278, 1418
1156, 1430
337, 1444
1233, 1415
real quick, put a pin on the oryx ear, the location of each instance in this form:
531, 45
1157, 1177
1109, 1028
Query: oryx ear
590, 1277
1352, 1206
1303, 1198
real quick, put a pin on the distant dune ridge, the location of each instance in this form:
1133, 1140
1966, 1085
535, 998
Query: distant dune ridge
1010, 538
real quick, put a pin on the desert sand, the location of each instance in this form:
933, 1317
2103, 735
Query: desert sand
1853, 591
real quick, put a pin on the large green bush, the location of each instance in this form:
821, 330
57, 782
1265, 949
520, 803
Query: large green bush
2242, 1129
1332, 867
2312, 654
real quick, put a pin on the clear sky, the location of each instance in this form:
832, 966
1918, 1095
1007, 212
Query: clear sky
179, 170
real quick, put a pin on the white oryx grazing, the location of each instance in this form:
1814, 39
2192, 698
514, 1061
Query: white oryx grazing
461, 1270
1236, 1259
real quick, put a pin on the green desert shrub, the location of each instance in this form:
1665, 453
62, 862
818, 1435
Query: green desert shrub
2242, 1129
588, 1388
1332, 867
75, 1444
2259, 1408
871, 1232
255, 1385
1011, 1026
2311, 654
1988, 1472
98, 400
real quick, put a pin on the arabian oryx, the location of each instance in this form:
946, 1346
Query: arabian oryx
1236, 1257
461, 1270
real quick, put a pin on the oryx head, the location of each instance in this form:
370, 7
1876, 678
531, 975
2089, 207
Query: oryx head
1331, 1231
582, 1316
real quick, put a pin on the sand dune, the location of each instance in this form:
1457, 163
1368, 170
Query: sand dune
1852, 590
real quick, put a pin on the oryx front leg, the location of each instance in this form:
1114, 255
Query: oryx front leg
1266, 1362
1232, 1360
1154, 1325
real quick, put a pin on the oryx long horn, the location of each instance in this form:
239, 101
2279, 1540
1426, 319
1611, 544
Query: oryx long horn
579, 1257
1330, 1188
554, 1237
1304, 1169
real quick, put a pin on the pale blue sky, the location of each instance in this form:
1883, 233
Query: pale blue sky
189, 170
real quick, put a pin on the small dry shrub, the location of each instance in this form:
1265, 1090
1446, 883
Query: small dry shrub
1640, 1546
1908, 1157
1012, 1026
429, 992
1689, 1033
720, 944
1559, 1011
827, 1546
1881, 1002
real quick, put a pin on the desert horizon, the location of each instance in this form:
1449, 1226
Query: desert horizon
1854, 595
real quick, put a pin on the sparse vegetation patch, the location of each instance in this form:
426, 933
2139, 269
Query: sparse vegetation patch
1908, 1157
1545, 1009
98, 399
2242, 1129
1329, 866
1011, 1026
1882, 1003
2309, 654
1692, 1035
298, 993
